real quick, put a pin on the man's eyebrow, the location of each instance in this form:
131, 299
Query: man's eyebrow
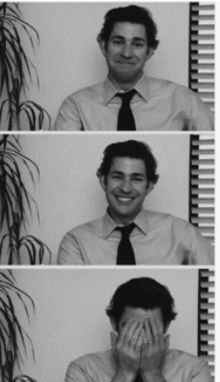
116, 172
117, 36
140, 39
140, 174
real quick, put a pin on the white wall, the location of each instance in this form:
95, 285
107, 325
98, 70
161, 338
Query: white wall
70, 320
69, 193
69, 58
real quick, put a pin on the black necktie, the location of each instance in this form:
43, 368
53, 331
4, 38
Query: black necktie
125, 116
125, 255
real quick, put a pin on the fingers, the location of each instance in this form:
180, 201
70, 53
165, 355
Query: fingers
167, 342
140, 339
148, 333
157, 331
154, 332
131, 336
130, 330
113, 339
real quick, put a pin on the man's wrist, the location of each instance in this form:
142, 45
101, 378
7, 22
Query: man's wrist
124, 376
154, 376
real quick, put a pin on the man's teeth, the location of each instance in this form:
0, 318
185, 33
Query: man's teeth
124, 199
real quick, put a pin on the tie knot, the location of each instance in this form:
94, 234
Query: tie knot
126, 230
126, 97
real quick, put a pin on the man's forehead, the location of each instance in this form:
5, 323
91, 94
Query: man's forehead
141, 313
126, 162
126, 28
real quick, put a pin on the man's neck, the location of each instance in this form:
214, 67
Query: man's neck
122, 85
121, 221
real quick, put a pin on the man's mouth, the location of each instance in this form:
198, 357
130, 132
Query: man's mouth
125, 62
124, 199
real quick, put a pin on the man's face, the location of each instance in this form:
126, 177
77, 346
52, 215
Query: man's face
140, 315
126, 52
126, 187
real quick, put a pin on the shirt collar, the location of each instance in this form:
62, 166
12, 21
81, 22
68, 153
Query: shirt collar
142, 221
109, 225
109, 91
142, 88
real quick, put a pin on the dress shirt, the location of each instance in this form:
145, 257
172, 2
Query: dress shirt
100, 367
157, 238
157, 105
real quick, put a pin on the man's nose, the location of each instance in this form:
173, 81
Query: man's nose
127, 50
126, 185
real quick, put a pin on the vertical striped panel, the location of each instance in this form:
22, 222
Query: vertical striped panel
206, 317
202, 51
201, 200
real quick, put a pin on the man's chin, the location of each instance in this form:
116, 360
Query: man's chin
125, 214
126, 76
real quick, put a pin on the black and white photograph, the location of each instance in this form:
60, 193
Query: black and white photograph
79, 190
73, 338
108, 165
66, 66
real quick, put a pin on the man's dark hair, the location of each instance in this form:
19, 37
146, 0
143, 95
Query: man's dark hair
144, 293
129, 149
132, 14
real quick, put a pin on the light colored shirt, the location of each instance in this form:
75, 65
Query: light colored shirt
157, 238
157, 105
100, 367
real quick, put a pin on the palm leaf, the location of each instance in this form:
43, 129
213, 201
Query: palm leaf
18, 205
17, 71
14, 340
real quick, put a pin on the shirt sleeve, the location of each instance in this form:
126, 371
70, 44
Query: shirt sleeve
201, 373
76, 374
202, 117
69, 251
201, 252
68, 117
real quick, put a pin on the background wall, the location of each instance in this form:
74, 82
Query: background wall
69, 193
69, 58
70, 314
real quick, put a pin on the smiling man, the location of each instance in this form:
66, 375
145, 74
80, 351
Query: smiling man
127, 99
140, 312
128, 234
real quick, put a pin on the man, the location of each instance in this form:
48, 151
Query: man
127, 99
128, 234
140, 312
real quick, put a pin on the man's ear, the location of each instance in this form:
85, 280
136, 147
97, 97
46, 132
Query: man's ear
113, 324
102, 181
149, 53
166, 327
102, 45
149, 188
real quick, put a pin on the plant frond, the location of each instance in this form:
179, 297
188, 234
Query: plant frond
36, 249
13, 338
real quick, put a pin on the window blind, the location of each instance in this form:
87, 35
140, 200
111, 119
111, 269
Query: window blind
201, 51
201, 200
206, 316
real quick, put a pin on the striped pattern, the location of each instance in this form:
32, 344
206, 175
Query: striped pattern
206, 317
201, 200
201, 51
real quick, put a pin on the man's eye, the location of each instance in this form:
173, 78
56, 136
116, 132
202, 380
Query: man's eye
117, 42
138, 45
138, 179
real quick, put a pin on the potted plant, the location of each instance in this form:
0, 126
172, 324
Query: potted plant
16, 71
14, 341
18, 206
